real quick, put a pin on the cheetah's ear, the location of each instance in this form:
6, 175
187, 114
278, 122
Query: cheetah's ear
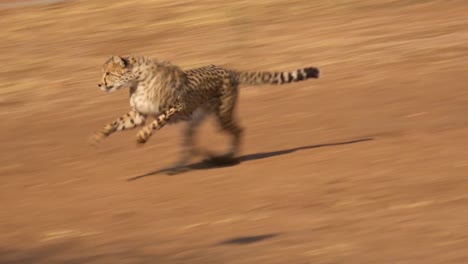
120, 61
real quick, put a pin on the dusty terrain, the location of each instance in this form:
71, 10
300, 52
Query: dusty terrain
368, 164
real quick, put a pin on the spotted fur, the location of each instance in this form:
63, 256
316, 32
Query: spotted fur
169, 94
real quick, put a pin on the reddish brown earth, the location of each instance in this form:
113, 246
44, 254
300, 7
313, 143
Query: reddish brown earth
368, 164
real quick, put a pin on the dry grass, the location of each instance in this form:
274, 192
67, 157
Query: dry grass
64, 43
392, 70
53, 52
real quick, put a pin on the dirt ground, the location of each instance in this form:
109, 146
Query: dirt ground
367, 164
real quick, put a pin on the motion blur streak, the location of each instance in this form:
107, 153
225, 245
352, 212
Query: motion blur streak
367, 164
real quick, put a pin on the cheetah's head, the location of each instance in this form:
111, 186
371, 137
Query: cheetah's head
116, 73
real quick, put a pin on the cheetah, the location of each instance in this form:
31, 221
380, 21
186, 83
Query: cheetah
165, 92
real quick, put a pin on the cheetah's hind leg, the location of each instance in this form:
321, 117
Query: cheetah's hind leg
229, 124
222, 160
188, 146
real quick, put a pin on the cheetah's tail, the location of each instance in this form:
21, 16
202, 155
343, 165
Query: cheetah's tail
256, 78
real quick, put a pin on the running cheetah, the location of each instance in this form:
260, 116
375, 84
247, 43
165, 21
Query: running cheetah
169, 94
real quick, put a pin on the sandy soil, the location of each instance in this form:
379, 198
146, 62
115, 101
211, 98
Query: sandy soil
368, 164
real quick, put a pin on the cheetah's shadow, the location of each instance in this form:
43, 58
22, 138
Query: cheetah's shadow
207, 164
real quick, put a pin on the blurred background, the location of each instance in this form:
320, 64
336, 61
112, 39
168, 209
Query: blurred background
367, 164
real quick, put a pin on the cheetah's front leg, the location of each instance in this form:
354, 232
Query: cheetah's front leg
145, 133
130, 120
